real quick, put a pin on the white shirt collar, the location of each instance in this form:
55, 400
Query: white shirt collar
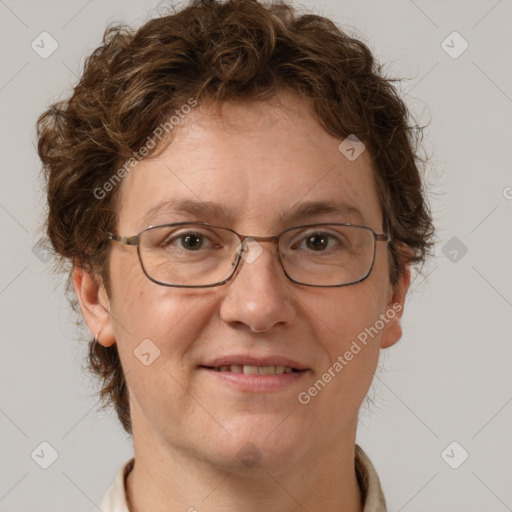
369, 483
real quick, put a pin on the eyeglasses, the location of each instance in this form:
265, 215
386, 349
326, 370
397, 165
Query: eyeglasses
199, 255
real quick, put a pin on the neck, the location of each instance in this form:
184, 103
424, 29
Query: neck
168, 478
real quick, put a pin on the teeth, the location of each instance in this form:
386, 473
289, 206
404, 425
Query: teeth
255, 370
251, 370
267, 370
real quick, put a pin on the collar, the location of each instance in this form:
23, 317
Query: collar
369, 483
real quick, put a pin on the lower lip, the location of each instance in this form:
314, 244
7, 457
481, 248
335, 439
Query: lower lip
257, 383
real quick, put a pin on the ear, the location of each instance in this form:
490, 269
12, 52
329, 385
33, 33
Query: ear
395, 308
94, 304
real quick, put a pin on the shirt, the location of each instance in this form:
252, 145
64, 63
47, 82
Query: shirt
367, 478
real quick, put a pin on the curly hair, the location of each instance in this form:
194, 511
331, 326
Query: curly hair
217, 51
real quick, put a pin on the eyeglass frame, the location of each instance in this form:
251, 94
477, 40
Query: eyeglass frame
135, 241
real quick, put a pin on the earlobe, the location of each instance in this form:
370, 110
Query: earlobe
392, 333
94, 304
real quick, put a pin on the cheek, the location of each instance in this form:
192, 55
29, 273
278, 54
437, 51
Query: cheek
351, 351
171, 318
342, 317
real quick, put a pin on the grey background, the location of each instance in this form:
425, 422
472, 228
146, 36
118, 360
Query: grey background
448, 379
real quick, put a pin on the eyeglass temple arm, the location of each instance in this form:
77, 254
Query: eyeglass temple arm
385, 237
382, 237
127, 240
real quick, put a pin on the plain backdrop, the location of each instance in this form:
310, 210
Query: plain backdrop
449, 378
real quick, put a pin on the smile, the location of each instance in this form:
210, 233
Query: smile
256, 379
254, 370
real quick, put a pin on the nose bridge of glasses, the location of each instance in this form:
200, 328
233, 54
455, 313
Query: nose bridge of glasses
250, 247
259, 238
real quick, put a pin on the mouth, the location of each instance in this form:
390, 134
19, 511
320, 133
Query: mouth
251, 375
255, 370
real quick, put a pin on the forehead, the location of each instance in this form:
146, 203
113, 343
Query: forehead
249, 164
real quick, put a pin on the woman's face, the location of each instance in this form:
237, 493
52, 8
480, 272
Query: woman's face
260, 162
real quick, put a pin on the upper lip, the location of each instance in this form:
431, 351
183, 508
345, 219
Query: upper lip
245, 360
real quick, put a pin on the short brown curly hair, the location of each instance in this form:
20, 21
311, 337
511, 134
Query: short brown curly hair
217, 51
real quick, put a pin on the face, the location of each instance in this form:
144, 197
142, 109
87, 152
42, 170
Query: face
260, 161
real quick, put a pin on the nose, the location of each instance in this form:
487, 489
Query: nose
259, 295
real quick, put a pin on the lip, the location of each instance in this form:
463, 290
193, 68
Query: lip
241, 359
256, 383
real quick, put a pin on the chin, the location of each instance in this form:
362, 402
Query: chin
259, 444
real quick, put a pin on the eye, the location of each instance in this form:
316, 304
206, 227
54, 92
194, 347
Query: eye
318, 241
190, 241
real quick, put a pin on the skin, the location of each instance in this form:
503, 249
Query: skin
259, 160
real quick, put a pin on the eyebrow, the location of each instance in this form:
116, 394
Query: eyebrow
210, 210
